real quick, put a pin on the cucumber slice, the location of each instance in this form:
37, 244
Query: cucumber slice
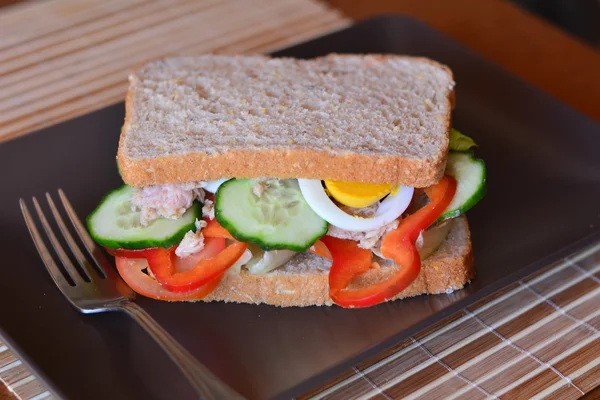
112, 224
469, 173
279, 218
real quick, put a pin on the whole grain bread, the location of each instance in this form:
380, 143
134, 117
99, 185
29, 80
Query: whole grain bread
366, 118
303, 281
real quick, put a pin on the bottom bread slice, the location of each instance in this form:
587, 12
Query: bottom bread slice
303, 281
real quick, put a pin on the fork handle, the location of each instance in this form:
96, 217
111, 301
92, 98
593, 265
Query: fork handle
207, 385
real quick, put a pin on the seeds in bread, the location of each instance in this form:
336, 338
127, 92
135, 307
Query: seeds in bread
369, 118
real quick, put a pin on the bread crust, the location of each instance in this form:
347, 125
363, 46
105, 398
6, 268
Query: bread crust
286, 162
282, 163
448, 269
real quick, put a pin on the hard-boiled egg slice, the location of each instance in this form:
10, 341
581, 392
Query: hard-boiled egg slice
389, 209
212, 186
357, 194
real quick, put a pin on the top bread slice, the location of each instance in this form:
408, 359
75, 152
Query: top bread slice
363, 118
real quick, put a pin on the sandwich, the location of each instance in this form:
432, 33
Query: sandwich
250, 179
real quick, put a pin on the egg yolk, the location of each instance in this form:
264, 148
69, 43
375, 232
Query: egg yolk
358, 194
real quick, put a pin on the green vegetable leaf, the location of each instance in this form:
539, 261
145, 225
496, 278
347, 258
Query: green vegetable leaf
460, 142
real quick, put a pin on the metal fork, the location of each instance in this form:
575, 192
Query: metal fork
99, 290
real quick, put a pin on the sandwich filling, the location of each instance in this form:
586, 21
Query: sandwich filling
176, 242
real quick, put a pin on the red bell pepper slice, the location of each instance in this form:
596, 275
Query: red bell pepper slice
349, 260
206, 273
162, 265
132, 272
132, 263
214, 229
320, 249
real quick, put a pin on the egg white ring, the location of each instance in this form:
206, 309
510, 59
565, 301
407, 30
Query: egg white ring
212, 186
390, 209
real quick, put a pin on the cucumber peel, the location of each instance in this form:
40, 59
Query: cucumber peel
277, 218
470, 175
114, 225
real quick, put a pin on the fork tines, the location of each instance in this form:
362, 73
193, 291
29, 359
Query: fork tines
86, 272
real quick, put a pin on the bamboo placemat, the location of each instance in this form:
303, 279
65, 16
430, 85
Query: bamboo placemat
18, 380
539, 338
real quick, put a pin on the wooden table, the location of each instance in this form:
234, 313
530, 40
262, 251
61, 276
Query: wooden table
512, 38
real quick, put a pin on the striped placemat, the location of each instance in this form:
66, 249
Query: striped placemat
63, 58
538, 338
18, 380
